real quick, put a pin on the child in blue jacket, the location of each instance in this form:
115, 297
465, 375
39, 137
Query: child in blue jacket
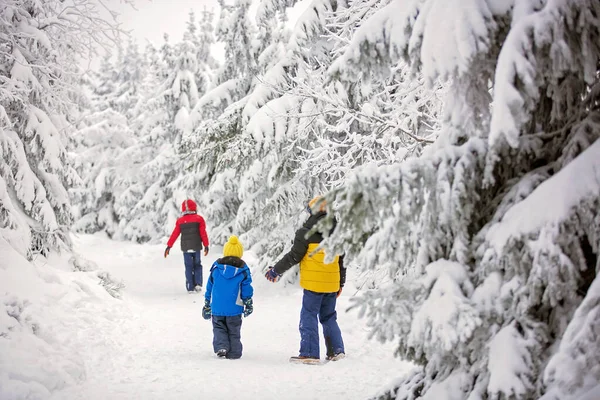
230, 288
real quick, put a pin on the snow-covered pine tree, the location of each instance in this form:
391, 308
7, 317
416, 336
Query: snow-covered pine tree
147, 205
130, 71
236, 31
40, 46
206, 37
307, 132
219, 111
373, 121
99, 145
491, 238
101, 138
276, 131
201, 41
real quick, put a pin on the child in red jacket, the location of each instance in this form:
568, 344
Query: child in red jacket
193, 235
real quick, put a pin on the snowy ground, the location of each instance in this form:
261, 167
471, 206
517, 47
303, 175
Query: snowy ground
159, 347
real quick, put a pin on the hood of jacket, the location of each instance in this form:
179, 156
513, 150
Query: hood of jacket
189, 206
230, 266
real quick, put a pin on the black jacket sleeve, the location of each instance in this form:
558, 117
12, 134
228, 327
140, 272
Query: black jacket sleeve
296, 253
342, 271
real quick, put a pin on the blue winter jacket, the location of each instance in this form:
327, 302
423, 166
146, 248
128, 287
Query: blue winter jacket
228, 285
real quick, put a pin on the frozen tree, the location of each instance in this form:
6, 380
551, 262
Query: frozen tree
130, 70
372, 121
39, 50
232, 81
99, 144
271, 189
202, 39
216, 119
305, 132
490, 239
150, 162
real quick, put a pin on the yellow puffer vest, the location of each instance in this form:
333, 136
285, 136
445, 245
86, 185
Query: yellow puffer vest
317, 276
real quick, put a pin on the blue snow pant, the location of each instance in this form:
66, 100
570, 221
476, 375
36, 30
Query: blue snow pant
193, 269
227, 335
321, 305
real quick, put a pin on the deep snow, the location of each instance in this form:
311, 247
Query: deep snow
153, 343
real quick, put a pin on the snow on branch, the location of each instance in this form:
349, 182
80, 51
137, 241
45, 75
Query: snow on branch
447, 317
310, 24
440, 37
573, 372
563, 35
510, 361
581, 176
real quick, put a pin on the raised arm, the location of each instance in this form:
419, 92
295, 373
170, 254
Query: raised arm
296, 253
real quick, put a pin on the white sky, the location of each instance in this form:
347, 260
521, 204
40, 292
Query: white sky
152, 18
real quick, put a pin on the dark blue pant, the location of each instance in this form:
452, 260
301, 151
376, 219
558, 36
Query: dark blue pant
321, 305
193, 269
227, 335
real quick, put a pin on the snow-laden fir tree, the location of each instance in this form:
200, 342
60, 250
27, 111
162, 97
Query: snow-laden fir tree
490, 239
305, 132
128, 80
146, 204
99, 144
233, 79
40, 46
276, 130
201, 36
216, 120
206, 36
115, 93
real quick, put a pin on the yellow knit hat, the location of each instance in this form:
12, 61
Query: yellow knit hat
233, 247
317, 204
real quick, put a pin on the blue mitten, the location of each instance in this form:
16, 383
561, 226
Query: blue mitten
248, 307
272, 275
206, 311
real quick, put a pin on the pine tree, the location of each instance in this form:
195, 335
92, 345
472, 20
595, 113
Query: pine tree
305, 133
219, 111
146, 206
201, 41
100, 159
490, 239
38, 70
103, 141
130, 70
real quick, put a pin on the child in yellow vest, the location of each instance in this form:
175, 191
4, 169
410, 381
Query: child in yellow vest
322, 283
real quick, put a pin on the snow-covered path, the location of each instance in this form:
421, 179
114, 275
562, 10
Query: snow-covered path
163, 349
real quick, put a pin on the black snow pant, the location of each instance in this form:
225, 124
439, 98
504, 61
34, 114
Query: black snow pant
227, 335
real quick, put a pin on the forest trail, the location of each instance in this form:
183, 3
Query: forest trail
163, 349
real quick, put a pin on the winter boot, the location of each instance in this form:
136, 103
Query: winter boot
336, 357
221, 353
305, 360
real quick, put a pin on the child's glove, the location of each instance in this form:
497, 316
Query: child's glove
272, 275
206, 311
167, 251
248, 307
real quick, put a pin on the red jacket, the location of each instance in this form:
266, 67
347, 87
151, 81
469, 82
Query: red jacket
193, 232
